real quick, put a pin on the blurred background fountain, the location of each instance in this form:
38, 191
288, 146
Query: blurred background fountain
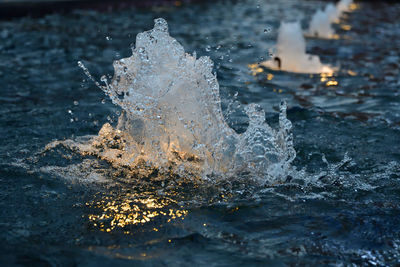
291, 52
321, 22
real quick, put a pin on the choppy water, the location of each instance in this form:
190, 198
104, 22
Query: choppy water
338, 210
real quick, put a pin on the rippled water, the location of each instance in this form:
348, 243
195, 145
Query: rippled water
61, 208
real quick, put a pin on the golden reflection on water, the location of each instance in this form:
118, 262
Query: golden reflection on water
332, 83
328, 79
354, 6
325, 76
351, 73
255, 69
345, 27
119, 212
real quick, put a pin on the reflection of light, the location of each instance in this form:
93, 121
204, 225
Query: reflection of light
325, 76
331, 83
351, 73
354, 6
132, 209
345, 27
255, 69
329, 79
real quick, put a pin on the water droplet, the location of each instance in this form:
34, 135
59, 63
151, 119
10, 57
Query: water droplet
208, 48
76, 103
108, 38
103, 101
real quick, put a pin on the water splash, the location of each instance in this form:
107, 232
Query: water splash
291, 52
172, 120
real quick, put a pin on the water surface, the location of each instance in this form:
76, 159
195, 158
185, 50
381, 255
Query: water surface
54, 211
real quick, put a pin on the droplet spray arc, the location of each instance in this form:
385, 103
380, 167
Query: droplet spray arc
172, 118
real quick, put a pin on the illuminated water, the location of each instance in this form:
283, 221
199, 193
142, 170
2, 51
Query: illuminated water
61, 208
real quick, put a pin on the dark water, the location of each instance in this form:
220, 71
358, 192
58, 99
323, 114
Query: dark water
51, 214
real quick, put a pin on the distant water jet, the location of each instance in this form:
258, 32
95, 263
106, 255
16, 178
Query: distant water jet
321, 23
291, 51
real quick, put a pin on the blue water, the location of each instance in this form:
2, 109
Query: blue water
53, 212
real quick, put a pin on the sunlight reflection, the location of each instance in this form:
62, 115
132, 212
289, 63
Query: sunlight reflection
132, 209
